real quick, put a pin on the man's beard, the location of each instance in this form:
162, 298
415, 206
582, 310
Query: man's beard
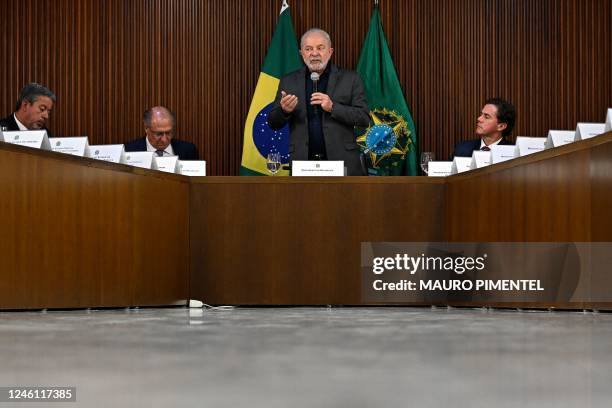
317, 66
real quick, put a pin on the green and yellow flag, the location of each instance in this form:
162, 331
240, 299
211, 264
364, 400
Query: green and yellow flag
282, 58
390, 143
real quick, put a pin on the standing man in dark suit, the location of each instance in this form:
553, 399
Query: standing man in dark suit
32, 109
322, 104
494, 124
159, 124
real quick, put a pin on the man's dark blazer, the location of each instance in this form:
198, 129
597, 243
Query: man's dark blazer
465, 149
10, 123
184, 150
350, 108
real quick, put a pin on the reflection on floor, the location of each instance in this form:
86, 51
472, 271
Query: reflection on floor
312, 357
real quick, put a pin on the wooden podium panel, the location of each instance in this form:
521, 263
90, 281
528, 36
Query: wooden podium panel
561, 194
558, 195
77, 232
296, 240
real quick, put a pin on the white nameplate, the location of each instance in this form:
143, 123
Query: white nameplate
558, 138
192, 167
1, 136
501, 153
36, 139
139, 159
589, 130
439, 168
480, 159
109, 153
528, 145
77, 146
461, 164
325, 168
609, 121
169, 164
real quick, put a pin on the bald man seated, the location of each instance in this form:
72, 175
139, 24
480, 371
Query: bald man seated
159, 124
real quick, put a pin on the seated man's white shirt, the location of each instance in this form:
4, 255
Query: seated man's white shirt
483, 144
19, 124
167, 152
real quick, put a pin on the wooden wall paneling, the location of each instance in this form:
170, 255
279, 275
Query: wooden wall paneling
108, 61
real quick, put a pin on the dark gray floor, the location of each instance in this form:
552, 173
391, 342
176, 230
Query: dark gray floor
307, 357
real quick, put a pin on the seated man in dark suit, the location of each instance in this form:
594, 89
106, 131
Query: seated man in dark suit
494, 124
32, 110
159, 124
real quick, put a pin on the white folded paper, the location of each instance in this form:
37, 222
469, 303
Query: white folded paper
527, 145
439, 168
109, 153
501, 153
36, 139
588, 130
318, 168
480, 159
192, 167
139, 159
558, 138
609, 121
77, 146
168, 164
461, 164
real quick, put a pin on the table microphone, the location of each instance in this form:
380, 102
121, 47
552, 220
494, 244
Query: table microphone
315, 81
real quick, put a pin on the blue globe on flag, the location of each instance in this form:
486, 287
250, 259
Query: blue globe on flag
381, 139
268, 140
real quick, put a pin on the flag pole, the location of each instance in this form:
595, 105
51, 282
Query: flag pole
284, 6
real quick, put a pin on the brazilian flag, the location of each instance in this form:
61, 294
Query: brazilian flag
259, 139
390, 143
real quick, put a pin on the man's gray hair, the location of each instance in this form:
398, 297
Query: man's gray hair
148, 115
315, 31
31, 92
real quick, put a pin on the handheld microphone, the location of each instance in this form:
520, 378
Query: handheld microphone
315, 82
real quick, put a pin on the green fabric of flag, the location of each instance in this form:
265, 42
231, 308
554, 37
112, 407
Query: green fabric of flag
390, 143
282, 58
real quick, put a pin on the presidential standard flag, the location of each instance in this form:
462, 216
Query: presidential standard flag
259, 139
390, 143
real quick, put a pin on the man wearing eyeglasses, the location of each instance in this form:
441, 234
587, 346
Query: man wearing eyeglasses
159, 124
322, 104
493, 126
